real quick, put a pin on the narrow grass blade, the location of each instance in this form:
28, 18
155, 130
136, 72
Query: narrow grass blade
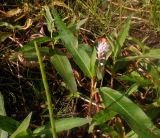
131, 113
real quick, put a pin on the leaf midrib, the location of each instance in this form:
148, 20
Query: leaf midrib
123, 108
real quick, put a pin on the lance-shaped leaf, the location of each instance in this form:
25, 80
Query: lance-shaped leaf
71, 43
153, 53
62, 125
22, 129
124, 32
117, 44
69, 123
130, 112
63, 67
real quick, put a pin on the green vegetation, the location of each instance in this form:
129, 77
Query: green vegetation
80, 69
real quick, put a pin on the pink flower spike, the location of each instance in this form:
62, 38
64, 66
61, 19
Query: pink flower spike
102, 49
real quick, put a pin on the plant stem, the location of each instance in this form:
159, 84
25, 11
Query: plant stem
48, 96
92, 93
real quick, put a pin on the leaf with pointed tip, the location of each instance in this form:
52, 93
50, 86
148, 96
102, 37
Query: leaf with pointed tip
49, 19
93, 62
117, 44
23, 126
71, 43
69, 123
62, 125
153, 53
63, 67
80, 23
124, 32
131, 113
132, 89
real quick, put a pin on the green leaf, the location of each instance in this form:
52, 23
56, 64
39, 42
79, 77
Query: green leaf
69, 123
62, 125
71, 43
86, 48
116, 45
93, 62
100, 73
2, 109
8, 124
65, 34
124, 32
130, 112
42, 131
4, 36
3, 134
131, 134
49, 19
31, 54
153, 112
103, 116
117, 49
153, 53
132, 89
63, 67
82, 59
135, 77
23, 126
39, 40
75, 25
29, 47
80, 23
24, 134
